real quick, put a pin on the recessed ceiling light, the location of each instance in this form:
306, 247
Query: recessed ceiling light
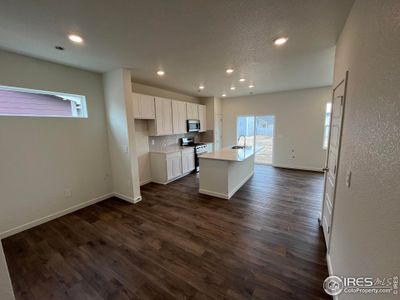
224, 95
229, 71
75, 38
251, 86
233, 88
201, 87
160, 73
242, 79
280, 41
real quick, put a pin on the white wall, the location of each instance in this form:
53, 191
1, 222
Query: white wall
366, 223
6, 291
299, 124
40, 157
121, 128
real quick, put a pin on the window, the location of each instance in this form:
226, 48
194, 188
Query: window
327, 125
26, 102
258, 132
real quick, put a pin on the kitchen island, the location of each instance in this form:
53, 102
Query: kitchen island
224, 172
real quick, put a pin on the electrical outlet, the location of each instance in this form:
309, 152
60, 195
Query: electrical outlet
67, 193
152, 142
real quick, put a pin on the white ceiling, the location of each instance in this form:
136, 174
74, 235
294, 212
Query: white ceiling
194, 41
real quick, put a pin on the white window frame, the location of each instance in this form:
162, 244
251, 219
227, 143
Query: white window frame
72, 97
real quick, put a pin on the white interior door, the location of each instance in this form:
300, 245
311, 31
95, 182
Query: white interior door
332, 161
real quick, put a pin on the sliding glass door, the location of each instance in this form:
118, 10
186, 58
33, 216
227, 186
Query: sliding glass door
258, 132
245, 130
264, 132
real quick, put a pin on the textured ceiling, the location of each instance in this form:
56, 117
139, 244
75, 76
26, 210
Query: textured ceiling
194, 41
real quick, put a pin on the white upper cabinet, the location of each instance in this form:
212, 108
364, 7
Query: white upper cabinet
192, 111
143, 106
167, 116
162, 125
135, 106
202, 117
179, 117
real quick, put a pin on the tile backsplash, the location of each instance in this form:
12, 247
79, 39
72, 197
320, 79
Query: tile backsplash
159, 142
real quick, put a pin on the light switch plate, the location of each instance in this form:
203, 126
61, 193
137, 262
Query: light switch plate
348, 177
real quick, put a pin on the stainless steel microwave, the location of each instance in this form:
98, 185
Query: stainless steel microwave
193, 125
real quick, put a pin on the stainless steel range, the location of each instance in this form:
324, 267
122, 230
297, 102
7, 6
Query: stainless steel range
199, 148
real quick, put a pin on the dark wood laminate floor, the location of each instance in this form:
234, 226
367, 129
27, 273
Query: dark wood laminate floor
264, 243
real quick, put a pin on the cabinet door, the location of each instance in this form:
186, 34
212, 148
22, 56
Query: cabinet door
203, 118
185, 161
170, 173
179, 117
192, 111
159, 116
167, 116
190, 159
136, 105
177, 167
183, 118
174, 167
147, 110
163, 122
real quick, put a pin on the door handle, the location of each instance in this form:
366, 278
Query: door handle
326, 169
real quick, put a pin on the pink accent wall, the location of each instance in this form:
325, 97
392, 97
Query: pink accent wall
21, 103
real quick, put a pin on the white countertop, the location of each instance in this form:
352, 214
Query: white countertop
169, 149
230, 154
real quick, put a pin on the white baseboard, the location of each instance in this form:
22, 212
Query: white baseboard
330, 270
329, 263
145, 181
53, 216
298, 168
171, 180
127, 198
214, 194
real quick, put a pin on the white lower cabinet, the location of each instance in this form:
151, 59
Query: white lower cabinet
174, 167
187, 161
166, 167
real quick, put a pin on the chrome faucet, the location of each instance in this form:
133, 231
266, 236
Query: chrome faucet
244, 139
